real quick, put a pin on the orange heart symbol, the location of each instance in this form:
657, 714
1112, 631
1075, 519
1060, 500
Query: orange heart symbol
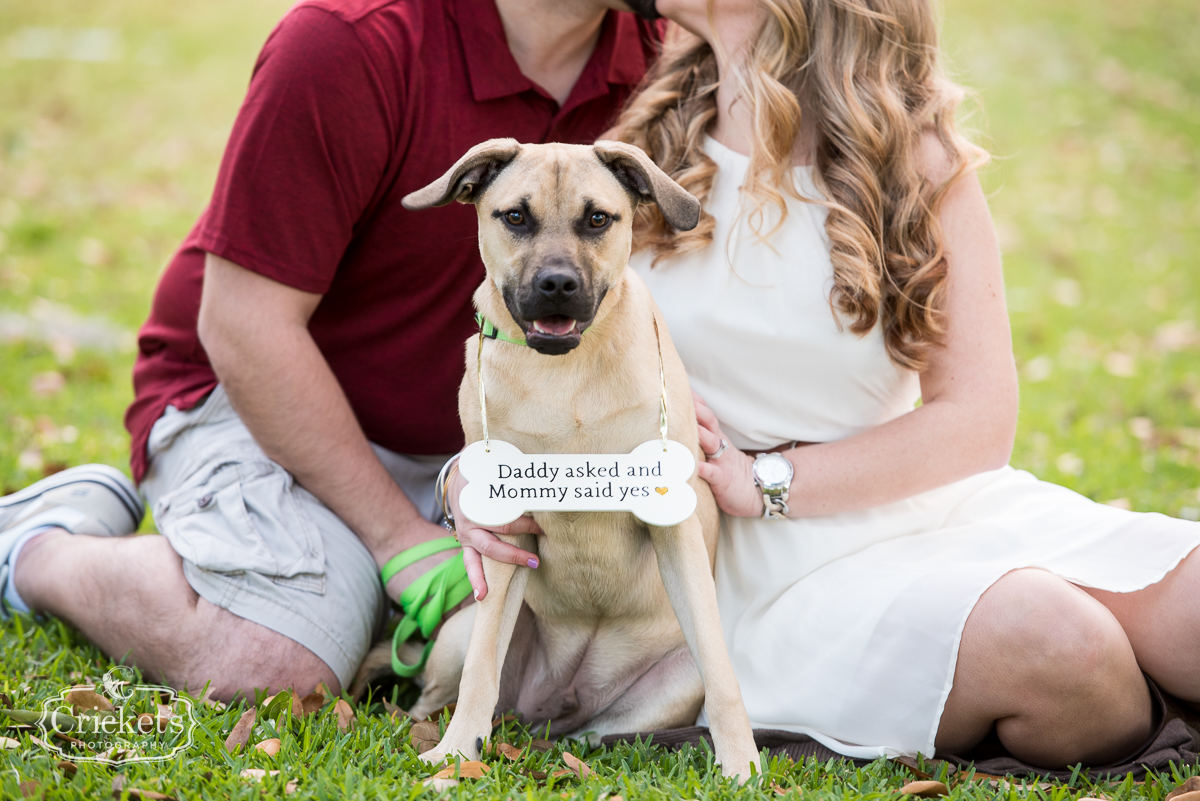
661, 490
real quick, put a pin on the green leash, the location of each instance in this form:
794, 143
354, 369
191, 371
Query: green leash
427, 598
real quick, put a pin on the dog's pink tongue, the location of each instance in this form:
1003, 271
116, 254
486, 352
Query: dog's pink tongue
556, 324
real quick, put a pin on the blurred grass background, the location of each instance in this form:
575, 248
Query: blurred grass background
114, 114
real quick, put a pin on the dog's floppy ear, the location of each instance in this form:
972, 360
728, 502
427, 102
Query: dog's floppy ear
469, 176
649, 184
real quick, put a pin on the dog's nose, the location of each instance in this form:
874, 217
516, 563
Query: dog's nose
556, 284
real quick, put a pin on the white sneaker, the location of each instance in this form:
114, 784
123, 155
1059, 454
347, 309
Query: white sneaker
106, 497
90, 499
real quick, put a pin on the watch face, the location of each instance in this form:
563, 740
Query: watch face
773, 470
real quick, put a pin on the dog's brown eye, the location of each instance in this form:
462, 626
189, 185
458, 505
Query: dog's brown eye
598, 220
515, 218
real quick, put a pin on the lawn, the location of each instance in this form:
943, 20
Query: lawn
113, 116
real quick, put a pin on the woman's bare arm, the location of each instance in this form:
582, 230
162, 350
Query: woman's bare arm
968, 417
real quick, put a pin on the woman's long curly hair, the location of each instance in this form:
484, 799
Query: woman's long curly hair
868, 72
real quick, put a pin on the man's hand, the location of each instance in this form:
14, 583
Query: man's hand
729, 475
478, 541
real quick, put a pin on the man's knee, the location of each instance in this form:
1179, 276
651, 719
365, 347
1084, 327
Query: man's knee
236, 656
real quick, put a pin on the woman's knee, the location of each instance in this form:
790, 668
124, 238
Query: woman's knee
1057, 673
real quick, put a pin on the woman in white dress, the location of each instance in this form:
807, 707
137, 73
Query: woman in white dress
845, 289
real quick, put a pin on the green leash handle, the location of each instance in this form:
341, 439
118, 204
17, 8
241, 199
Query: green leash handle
426, 599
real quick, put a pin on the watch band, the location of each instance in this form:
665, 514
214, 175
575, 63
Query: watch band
775, 507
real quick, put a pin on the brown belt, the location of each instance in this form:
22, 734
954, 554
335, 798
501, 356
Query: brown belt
787, 446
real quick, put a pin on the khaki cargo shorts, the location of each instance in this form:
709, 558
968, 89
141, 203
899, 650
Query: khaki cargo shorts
255, 542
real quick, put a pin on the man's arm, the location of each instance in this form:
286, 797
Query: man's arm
255, 331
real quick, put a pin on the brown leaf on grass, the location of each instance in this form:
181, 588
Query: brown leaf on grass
258, 774
576, 764
9, 743
911, 764
5, 701
269, 747
538, 775
68, 768
424, 736
29, 788
509, 750
541, 745
558, 774
241, 731
463, 770
311, 703
775, 788
1189, 786
345, 715
925, 789
440, 784
86, 699
500, 721
1194, 795
448, 709
66, 738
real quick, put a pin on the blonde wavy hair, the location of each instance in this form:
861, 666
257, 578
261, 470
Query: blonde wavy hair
868, 72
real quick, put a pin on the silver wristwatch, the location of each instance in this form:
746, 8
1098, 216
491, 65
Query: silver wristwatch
773, 475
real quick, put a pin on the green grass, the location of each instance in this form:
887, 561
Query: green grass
1092, 112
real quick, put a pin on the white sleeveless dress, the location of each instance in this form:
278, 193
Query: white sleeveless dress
846, 627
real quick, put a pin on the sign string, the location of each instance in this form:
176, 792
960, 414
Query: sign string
662, 379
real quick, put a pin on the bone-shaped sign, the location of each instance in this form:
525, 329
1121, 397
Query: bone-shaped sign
650, 482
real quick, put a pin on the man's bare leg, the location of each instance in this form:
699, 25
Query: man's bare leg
129, 596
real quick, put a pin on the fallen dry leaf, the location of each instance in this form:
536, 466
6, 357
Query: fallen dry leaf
345, 715
558, 774
911, 764
1194, 795
535, 774
440, 784
394, 712
8, 742
448, 710
241, 732
258, 774
69, 768
269, 747
28, 788
463, 770
576, 764
500, 721
311, 703
424, 736
509, 750
86, 699
1189, 786
541, 745
925, 789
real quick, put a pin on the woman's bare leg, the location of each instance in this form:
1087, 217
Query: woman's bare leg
1162, 623
1052, 670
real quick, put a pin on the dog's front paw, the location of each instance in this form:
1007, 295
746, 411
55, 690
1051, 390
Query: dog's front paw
741, 767
448, 750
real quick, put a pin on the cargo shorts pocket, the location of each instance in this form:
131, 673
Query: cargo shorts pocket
245, 516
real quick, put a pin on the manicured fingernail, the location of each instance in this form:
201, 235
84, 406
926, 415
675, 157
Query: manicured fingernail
533, 563
476, 595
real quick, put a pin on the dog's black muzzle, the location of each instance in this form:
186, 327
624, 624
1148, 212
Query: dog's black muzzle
553, 308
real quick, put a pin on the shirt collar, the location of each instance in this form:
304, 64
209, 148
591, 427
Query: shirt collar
494, 73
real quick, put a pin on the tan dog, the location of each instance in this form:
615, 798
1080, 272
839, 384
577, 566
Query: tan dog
588, 641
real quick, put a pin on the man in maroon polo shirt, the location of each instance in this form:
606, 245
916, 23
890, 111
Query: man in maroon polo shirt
297, 378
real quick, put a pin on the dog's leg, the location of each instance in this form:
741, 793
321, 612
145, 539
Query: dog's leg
683, 562
479, 691
443, 671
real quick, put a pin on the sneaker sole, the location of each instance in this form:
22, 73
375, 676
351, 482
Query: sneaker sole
110, 478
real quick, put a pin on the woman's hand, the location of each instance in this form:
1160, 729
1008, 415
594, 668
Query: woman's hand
729, 474
478, 541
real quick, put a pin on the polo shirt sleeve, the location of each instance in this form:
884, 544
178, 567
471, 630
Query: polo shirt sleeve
306, 156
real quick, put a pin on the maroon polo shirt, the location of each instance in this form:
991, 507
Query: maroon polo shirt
352, 105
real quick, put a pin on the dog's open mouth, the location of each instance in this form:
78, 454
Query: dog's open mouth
555, 325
